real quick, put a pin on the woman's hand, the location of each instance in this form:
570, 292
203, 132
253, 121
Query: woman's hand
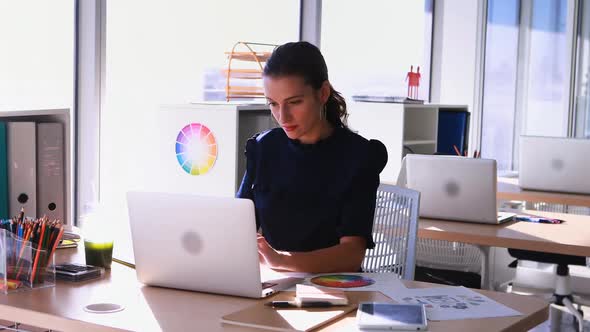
268, 255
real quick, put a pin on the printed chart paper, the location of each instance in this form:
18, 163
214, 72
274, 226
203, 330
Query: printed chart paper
449, 303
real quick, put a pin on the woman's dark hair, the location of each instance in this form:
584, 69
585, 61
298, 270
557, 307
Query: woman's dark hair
305, 60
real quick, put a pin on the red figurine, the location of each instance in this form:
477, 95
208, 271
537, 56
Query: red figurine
413, 82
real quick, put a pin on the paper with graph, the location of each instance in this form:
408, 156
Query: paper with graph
449, 303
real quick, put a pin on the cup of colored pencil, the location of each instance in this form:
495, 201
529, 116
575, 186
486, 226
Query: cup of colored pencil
28, 247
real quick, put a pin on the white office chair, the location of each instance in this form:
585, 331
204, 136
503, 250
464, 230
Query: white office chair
456, 256
560, 208
395, 228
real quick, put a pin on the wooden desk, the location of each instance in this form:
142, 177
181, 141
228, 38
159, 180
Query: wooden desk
571, 237
160, 309
508, 189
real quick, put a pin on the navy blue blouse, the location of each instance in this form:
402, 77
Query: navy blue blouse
308, 196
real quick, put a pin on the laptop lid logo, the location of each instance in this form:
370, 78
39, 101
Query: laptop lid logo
191, 242
557, 164
452, 188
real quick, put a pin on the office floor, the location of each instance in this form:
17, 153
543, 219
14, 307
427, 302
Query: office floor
566, 322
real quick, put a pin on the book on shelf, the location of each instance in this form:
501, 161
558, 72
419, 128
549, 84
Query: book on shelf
387, 99
50, 171
22, 167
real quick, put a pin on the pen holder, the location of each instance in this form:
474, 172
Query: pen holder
22, 266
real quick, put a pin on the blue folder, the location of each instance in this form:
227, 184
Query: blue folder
453, 129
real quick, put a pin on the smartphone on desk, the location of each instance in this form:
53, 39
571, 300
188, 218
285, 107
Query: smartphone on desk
77, 272
372, 316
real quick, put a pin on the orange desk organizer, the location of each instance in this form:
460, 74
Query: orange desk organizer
244, 69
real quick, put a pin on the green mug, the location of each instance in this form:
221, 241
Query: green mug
99, 253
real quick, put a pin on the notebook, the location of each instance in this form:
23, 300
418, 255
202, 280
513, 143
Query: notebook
298, 319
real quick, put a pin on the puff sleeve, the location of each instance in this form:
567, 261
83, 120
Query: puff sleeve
246, 187
358, 208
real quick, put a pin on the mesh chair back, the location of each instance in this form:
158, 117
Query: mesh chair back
457, 256
395, 228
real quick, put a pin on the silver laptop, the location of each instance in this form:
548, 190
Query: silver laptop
198, 243
454, 188
554, 164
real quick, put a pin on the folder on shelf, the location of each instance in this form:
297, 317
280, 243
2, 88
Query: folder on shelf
4, 213
22, 168
50, 171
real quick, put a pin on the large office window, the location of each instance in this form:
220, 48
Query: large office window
548, 80
370, 46
36, 55
161, 53
499, 90
582, 128
527, 75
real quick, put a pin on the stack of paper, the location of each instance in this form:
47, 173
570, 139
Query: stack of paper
308, 293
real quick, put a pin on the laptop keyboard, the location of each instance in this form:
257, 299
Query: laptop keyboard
266, 285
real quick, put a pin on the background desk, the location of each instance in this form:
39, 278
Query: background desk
160, 309
508, 189
571, 237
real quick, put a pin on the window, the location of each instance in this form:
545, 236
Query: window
546, 102
526, 75
37, 57
582, 128
370, 46
499, 91
160, 53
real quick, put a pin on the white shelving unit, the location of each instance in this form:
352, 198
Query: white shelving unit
403, 128
52, 115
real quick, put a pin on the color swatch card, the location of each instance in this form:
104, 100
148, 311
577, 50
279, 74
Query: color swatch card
379, 282
450, 303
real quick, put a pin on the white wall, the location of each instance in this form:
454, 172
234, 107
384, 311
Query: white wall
455, 57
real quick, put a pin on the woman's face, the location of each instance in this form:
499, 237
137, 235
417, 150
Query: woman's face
296, 106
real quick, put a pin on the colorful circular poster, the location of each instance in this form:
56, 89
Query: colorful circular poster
342, 281
196, 149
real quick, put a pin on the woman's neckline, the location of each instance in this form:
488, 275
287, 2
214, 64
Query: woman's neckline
312, 146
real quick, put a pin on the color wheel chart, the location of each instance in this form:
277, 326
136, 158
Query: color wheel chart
196, 149
342, 281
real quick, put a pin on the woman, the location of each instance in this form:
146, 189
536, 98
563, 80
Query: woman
313, 181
